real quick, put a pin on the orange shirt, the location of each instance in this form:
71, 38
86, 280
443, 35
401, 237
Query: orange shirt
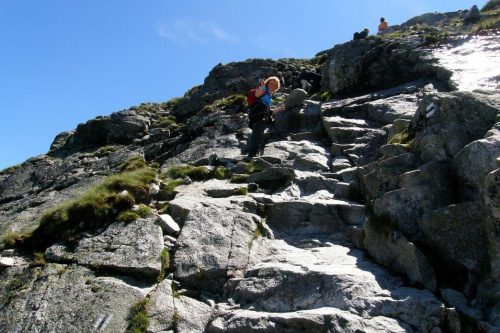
382, 26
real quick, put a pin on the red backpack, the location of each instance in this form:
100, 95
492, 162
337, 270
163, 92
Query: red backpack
251, 99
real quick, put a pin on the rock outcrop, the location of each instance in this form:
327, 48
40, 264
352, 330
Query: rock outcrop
374, 210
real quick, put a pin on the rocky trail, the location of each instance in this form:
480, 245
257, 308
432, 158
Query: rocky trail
302, 272
373, 210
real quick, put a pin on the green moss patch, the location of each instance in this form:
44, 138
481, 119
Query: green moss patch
93, 209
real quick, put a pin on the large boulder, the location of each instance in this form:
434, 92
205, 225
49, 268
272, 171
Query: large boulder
370, 64
213, 243
133, 248
473, 163
445, 123
491, 195
392, 249
65, 298
161, 307
457, 241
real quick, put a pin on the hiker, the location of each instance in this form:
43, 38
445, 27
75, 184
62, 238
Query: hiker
310, 81
382, 25
362, 34
259, 104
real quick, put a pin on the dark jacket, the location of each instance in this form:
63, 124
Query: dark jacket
360, 35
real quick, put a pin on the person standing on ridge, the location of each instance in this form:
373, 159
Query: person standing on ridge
382, 25
259, 104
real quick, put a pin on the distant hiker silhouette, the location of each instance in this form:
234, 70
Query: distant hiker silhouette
382, 25
362, 34
310, 81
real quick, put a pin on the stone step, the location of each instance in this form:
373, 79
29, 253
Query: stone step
331, 277
350, 135
337, 121
317, 320
313, 215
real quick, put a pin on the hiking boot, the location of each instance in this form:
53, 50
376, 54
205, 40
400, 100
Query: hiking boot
253, 153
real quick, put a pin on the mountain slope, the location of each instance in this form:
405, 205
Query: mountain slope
372, 210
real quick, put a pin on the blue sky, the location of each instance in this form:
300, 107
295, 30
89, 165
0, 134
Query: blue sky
64, 62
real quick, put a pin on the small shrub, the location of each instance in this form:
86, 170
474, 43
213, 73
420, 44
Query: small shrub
242, 190
167, 191
123, 201
39, 259
432, 38
176, 171
253, 167
261, 209
106, 150
154, 165
240, 178
199, 173
133, 163
143, 210
163, 123
181, 171
128, 216
221, 173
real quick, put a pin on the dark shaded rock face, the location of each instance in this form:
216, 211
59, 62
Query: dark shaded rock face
376, 210
370, 65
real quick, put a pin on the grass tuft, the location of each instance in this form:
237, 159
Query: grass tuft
165, 264
139, 317
92, 210
133, 163
128, 216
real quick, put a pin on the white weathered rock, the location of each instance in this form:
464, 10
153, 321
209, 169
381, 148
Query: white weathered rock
154, 188
193, 315
168, 224
161, 307
7, 261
